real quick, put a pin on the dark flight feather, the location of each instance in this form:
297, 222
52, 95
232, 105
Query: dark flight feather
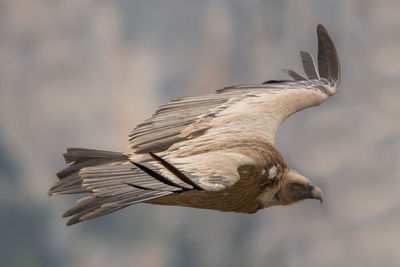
158, 176
309, 65
328, 60
176, 172
294, 75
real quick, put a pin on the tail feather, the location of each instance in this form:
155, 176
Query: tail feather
68, 185
84, 154
83, 157
102, 206
70, 182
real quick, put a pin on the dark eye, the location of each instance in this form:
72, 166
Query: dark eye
276, 197
296, 186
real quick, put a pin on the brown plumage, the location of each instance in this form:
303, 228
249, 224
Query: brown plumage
212, 152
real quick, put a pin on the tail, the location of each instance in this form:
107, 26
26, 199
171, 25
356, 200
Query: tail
112, 180
70, 182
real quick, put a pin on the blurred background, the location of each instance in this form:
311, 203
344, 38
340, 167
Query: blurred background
84, 73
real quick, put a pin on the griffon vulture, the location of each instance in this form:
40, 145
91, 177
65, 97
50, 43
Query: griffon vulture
213, 151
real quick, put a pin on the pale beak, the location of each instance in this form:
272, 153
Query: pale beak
315, 192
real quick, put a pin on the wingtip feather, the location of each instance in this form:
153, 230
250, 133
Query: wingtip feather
321, 29
328, 60
294, 75
309, 65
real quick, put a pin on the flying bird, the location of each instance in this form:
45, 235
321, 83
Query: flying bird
214, 151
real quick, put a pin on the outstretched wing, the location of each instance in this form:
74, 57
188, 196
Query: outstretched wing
259, 108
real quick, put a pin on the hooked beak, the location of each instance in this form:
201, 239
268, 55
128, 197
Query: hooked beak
315, 192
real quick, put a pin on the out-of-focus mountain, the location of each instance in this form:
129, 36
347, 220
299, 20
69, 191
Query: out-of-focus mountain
83, 73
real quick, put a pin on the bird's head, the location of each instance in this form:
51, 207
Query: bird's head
294, 187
